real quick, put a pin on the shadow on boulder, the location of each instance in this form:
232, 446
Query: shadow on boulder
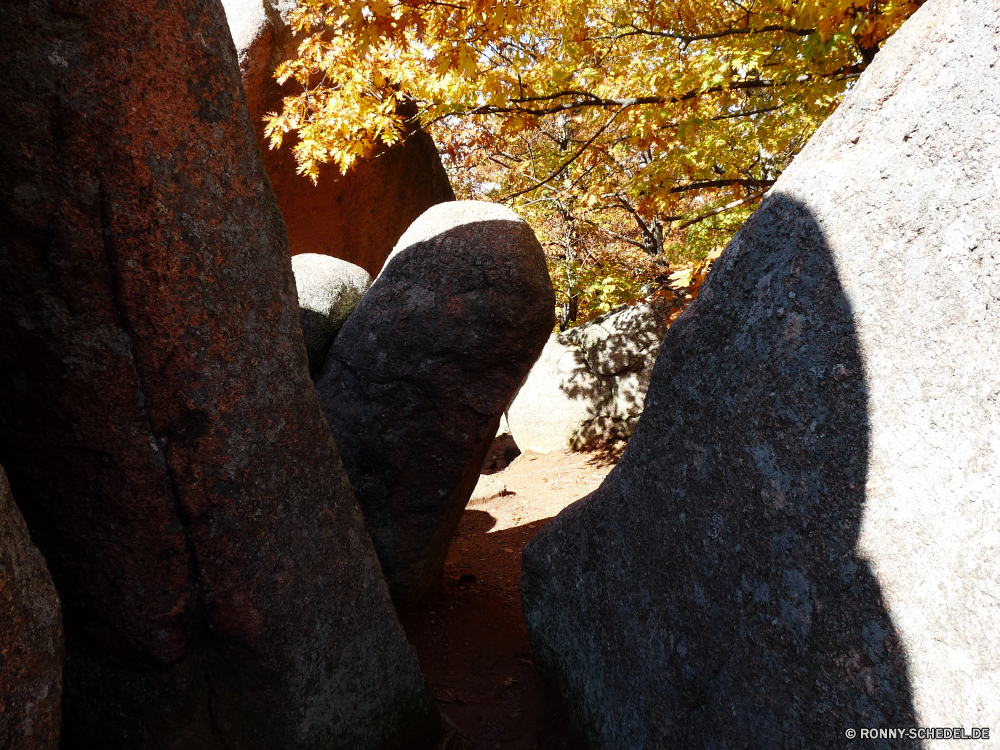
589, 384
417, 380
709, 594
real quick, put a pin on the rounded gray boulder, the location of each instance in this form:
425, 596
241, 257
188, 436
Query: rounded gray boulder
417, 379
328, 289
801, 537
589, 385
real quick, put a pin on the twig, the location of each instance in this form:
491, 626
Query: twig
721, 209
688, 38
565, 164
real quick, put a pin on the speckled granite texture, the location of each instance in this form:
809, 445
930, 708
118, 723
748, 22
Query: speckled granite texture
802, 535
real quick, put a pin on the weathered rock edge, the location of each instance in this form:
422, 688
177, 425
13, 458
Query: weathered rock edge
31, 638
801, 536
417, 379
156, 417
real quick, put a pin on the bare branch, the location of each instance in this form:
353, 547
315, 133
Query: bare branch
688, 38
744, 182
734, 115
566, 163
721, 209
617, 236
592, 100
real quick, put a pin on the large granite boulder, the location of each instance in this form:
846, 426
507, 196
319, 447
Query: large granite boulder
31, 638
588, 387
157, 420
417, 379
801, 537
357, 217
328, 290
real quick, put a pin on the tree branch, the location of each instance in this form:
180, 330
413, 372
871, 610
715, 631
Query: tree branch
688, 38
721, 209
744, 182
566, 163
596, 101
617, 236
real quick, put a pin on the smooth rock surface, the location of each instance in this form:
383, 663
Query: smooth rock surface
157, 421
328, 290
31, 638
802, 535
417, 379
357, 217
589, 385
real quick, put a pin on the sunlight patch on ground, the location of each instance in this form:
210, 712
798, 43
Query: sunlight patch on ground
537, 486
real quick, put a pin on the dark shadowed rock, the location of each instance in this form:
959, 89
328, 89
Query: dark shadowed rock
589, 385
418, 377
31, 638
157, 421
328, 289
801, 537
357, 217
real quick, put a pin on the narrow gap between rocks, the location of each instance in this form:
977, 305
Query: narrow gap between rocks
469, 631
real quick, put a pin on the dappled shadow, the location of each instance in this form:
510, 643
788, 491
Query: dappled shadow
606, 455
709, 594
618, 350
588, 387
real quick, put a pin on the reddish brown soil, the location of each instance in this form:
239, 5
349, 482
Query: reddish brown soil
469, 630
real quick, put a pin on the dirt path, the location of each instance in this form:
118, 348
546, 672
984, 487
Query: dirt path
469, 631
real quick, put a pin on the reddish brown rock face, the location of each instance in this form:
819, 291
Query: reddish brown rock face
31, 638
156, 415
357, 217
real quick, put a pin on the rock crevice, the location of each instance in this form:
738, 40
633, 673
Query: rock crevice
416, 381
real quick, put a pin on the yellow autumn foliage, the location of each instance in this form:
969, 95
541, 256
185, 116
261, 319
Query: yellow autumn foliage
637, 123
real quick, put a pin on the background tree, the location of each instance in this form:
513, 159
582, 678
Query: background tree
629, 134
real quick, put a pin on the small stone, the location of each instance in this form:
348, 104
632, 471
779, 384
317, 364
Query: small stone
488, 486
